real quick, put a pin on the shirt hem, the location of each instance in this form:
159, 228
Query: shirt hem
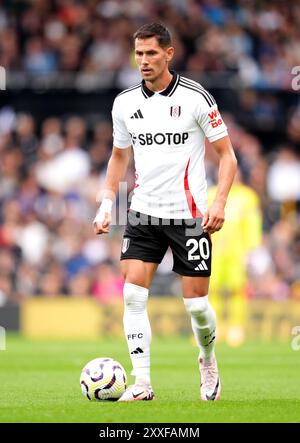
158, 213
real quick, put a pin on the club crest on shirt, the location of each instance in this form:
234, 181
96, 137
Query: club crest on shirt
125, 244
175, 111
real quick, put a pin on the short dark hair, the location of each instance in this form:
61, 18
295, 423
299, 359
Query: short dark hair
155, 30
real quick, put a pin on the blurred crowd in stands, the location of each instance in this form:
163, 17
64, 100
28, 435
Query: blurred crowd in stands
52, 171
259, 40
49, 180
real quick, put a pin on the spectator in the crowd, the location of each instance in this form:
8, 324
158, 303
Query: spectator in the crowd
108, 284
65, 170
27, 139
79, 285
283, 180
38, 60
52, 278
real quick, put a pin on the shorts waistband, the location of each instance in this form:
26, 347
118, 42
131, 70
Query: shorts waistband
157, 221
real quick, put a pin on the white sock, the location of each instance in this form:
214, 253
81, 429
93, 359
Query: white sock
137, 330
203, 320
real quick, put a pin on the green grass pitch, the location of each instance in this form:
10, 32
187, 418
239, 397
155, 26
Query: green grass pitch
40, 383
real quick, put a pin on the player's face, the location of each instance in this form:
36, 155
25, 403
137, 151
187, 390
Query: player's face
151, 58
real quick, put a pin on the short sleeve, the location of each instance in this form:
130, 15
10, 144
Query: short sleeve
121, 136
210, 120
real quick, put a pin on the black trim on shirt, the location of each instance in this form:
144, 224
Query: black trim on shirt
170, 89
209, 102
195, 85
130, 89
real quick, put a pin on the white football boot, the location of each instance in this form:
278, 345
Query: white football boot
210, 389
138, 391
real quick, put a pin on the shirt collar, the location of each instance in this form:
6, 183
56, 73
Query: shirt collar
170, 89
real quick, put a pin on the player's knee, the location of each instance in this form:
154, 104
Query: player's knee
196, 306
135, 297
134, 275
124, 270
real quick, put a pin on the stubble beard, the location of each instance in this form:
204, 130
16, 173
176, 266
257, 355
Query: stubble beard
151, 79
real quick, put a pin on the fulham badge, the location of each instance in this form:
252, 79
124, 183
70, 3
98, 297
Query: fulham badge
175, 111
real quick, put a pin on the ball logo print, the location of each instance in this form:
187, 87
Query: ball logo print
2, 79
103, 379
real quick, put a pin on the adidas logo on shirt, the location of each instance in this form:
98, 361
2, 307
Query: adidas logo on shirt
137, 114
201, 267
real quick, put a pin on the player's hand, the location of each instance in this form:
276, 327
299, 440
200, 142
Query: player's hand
102, 227
214, 217
103, 218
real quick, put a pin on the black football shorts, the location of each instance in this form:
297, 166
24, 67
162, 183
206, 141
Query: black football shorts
147, 238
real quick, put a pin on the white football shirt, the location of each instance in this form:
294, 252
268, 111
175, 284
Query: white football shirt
167, 130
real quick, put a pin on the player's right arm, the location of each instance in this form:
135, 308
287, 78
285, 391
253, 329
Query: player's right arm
117, 166
116, 170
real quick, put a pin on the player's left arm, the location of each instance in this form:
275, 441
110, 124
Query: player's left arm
214, 217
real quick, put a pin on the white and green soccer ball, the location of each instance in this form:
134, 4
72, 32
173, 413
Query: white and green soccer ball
103, 379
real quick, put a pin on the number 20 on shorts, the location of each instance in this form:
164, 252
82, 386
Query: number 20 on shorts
199, 249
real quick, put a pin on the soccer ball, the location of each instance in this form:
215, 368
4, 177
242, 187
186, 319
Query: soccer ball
103, 379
